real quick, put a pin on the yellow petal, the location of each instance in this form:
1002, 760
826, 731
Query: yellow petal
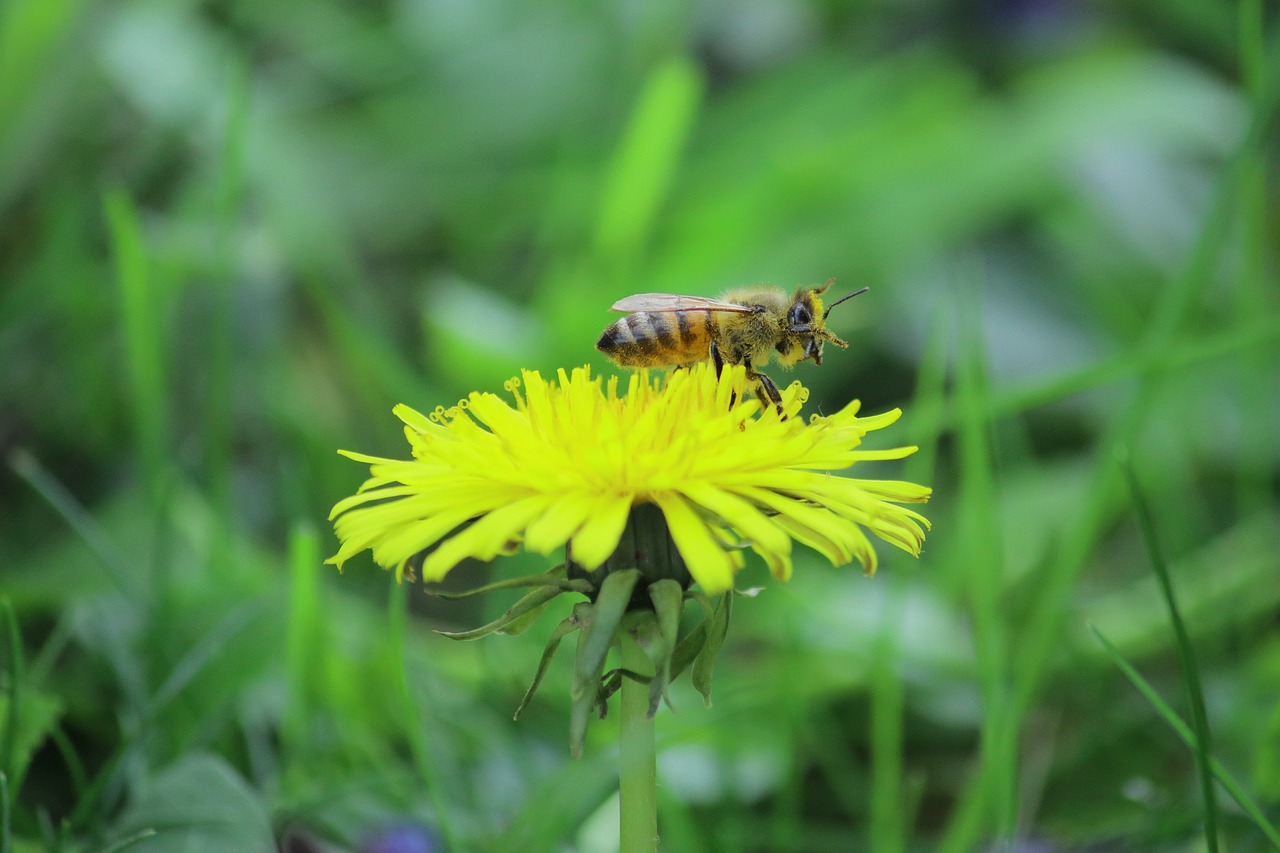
767, 539
484, 539
599, 537
708, 562
561, 520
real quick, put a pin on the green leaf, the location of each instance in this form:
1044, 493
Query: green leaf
36, 719
27, 716
197, 805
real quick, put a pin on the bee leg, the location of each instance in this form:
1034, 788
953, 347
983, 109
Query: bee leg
765, 389
718, 360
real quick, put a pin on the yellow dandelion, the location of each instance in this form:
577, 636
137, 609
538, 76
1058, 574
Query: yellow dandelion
564, 462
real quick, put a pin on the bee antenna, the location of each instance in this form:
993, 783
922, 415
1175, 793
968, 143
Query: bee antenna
843, 299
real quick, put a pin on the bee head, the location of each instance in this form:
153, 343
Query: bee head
805, 327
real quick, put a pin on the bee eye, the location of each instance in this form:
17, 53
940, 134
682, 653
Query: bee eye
801, 315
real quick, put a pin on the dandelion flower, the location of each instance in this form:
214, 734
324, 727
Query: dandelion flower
564, 462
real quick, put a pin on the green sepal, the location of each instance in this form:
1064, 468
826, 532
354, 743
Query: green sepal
643, 630
598, 631
517, 618
584, 703
668, 602
524, 621
704, 663
566, 627
691, 644
708, 609
611, 683
581, 706
596, 700
553, 578
687, 649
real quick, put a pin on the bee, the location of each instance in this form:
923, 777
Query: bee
741, 327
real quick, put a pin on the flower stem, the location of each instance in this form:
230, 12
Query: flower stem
638, 766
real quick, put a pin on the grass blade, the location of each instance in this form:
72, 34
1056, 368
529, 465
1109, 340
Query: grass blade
983, 582
887, 826
1183, 731
928, 402
1254, 281
191, 664
647, 157
1253, 52
188, 667
220, 398
415, 731
8, 744
306, 652
5, 832
1190, 671
133, 839
142, 336
1039, 642
79, 520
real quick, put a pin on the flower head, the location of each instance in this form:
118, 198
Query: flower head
563, 463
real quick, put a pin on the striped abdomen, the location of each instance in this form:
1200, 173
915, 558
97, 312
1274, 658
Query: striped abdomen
659, 338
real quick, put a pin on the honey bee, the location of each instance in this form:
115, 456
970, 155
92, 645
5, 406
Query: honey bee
741, 327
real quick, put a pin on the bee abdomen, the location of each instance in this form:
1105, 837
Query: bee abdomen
650, 338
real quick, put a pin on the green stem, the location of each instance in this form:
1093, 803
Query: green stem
638, 764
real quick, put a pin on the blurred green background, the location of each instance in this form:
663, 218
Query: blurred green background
234, 234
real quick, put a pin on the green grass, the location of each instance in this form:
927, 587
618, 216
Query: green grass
232, 238
1186, 655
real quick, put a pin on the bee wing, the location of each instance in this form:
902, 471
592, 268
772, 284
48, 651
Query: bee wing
668, 302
